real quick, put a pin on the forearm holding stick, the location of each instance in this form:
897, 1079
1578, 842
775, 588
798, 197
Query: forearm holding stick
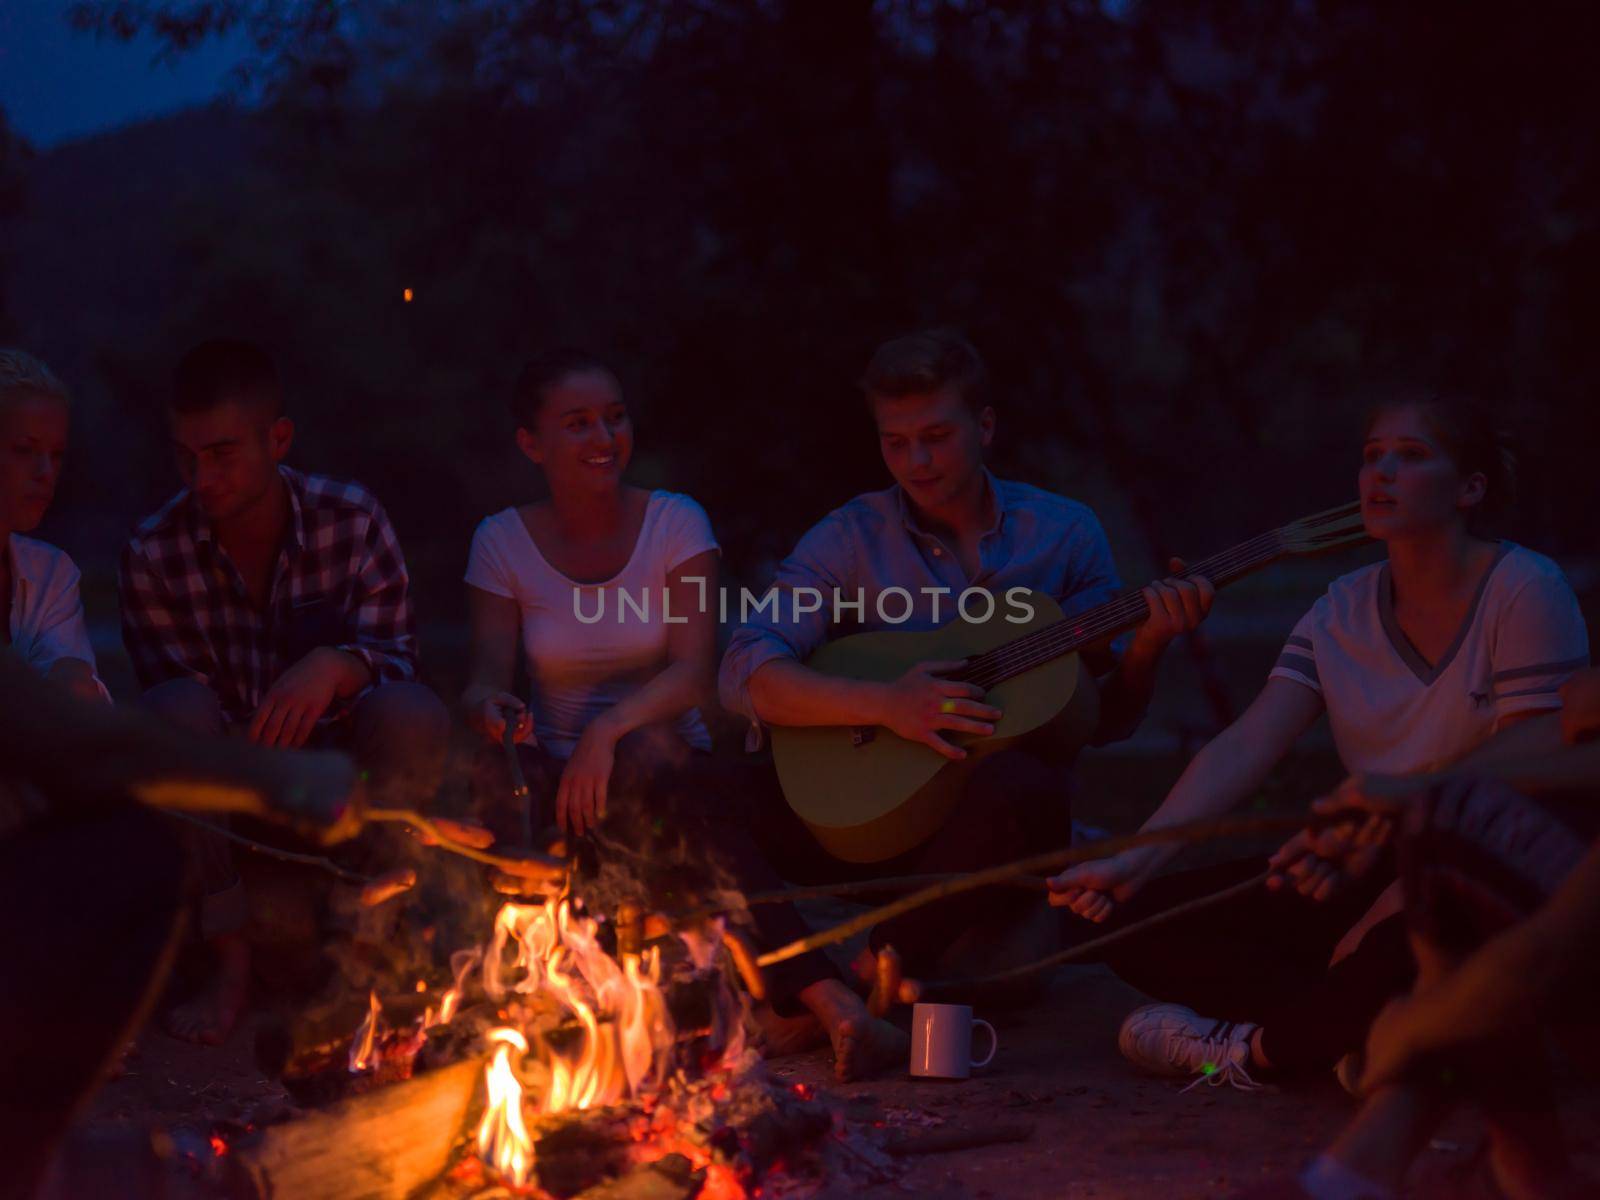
1199, 831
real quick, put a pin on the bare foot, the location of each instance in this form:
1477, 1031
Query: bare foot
863, 1045
210, 1017
782, 1035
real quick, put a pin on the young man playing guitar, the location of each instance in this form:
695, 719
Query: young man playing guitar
947, 525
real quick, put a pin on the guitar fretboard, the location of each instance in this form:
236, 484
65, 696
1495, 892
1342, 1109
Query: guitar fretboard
1128, 609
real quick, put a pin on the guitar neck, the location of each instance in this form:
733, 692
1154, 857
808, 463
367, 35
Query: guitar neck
1127, 610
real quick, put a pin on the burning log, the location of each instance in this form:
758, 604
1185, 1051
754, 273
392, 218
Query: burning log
579, 1151
385, 1144
669, 1178
325, 1031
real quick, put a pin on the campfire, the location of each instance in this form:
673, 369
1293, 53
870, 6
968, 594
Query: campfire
607, 1057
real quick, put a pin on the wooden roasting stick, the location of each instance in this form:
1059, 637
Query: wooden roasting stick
520, 795
529, 864
1054, 860
1095, 945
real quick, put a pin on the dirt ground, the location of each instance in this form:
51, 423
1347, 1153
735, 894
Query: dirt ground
1094, 1128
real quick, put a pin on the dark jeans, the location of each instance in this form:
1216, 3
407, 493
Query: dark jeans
1263, 957
1014, 804
397, 731
91, 905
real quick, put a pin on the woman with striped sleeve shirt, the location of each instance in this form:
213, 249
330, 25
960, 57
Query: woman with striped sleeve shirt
1417, 661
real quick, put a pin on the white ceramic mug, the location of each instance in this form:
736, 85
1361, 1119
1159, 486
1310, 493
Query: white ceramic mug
941, 1041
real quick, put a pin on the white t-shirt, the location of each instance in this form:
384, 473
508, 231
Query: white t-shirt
1391, 713
590, 645
46, 614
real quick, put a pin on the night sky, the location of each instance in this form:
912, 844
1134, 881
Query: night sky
57, 85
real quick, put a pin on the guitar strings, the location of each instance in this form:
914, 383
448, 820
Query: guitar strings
1098, 620
1059, 637
1004, 662
1067, 634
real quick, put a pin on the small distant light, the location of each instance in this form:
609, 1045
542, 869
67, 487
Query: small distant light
407, 295
422, 985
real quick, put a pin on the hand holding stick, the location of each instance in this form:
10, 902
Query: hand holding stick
1054, 860
520, 795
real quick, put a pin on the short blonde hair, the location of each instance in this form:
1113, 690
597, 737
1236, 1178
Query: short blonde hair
21, 374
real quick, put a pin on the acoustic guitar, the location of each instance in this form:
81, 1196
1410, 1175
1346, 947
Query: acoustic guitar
868, 794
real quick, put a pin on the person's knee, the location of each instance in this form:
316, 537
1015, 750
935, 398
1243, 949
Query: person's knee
646, 755
656, 744
400, 732
404, 713
188, 704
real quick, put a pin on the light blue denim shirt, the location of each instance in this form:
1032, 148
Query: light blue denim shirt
874, 545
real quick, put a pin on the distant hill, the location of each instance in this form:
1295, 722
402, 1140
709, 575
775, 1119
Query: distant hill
76, 275
93, 261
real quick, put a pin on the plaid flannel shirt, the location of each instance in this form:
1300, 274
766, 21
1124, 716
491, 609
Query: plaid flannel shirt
340, 581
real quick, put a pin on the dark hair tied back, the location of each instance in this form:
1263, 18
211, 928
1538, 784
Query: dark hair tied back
541, 373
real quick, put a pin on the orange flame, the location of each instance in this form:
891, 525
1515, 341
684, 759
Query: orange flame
364, 1052
624, 1040
461, 964
503, 1140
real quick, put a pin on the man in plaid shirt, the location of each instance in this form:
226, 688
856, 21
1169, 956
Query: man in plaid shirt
273, 604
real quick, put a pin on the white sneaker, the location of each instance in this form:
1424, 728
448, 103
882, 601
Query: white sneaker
1168, 1039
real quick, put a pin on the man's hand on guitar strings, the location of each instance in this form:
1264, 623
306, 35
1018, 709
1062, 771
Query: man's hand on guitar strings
1178, 604
920, 706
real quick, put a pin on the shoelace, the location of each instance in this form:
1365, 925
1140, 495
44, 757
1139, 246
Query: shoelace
1228, 1072
1219, 1045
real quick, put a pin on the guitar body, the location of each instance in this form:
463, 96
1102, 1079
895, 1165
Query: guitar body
868, 794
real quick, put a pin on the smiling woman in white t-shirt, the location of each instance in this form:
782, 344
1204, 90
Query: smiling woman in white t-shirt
602, 586
1416, 662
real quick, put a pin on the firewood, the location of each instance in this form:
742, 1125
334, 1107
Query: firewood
386, 1144
669, 1178
317, 1030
